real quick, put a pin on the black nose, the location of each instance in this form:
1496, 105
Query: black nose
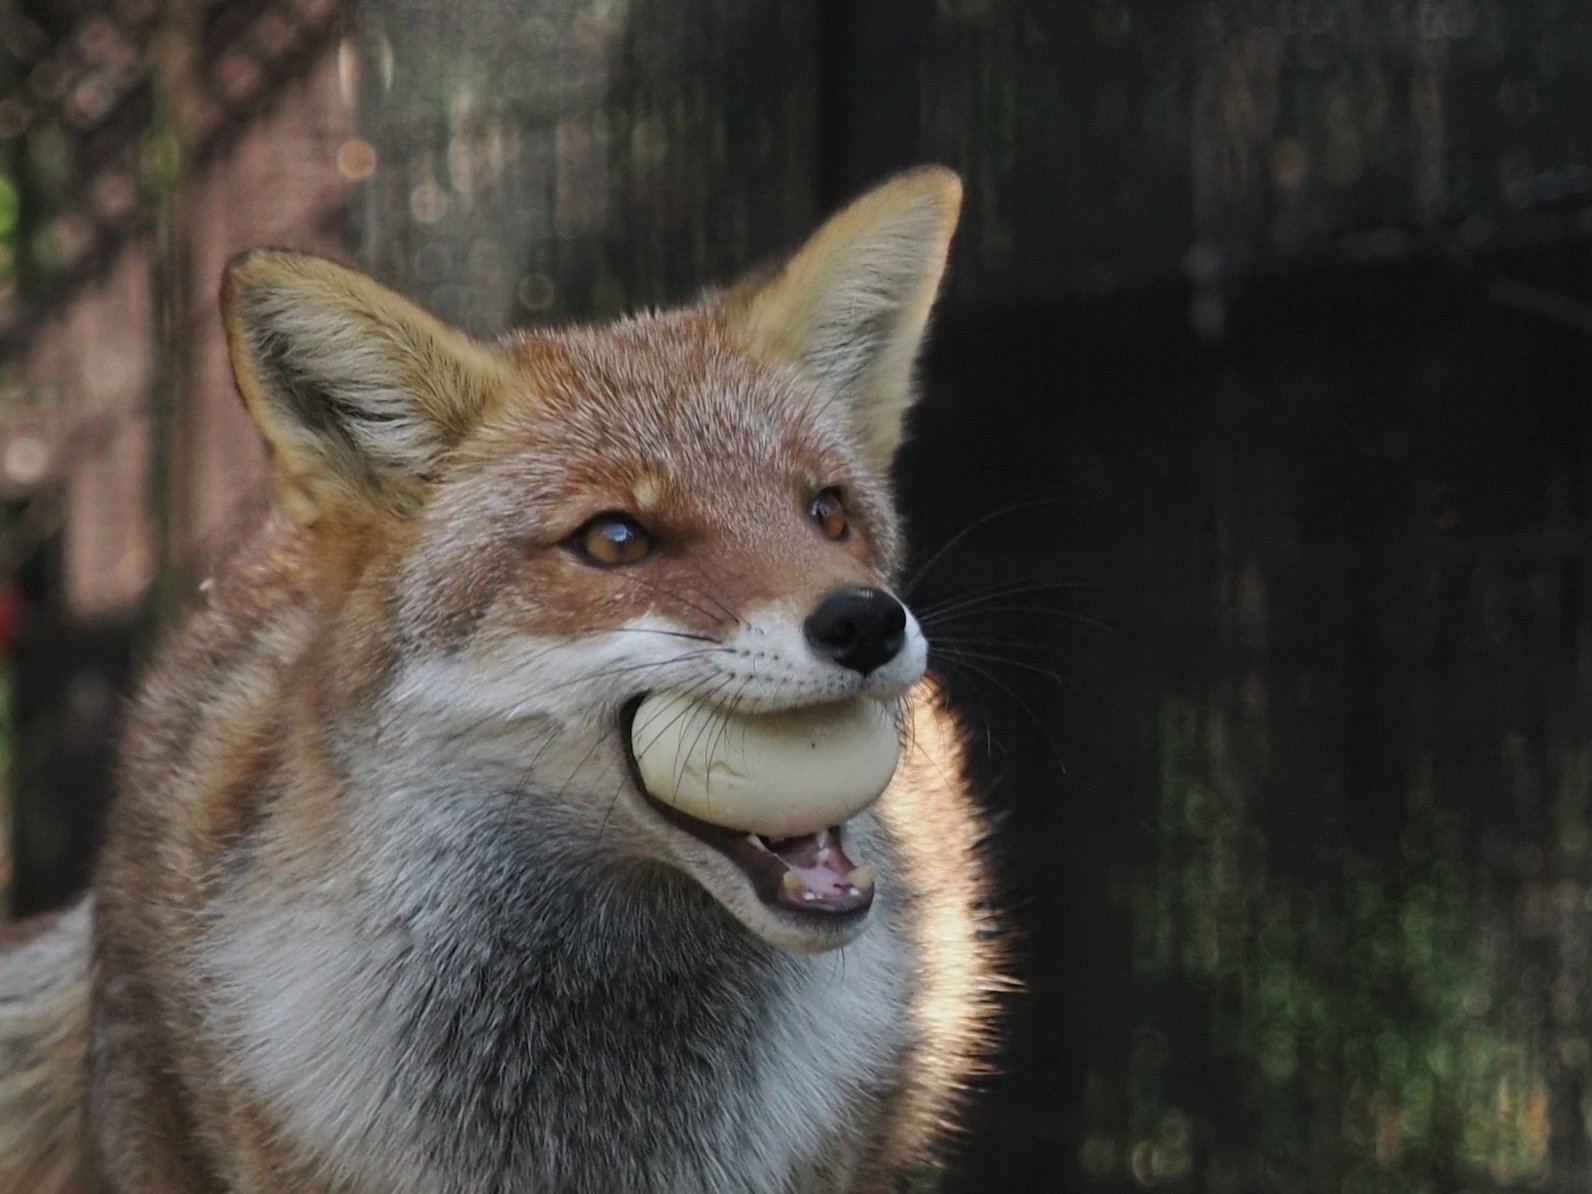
859, 627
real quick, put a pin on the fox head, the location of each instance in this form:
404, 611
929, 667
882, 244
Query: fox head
516, 542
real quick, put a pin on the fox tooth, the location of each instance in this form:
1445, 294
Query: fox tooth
794, 887
862, 877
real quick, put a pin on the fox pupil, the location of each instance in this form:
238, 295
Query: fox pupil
613, 539
829, 512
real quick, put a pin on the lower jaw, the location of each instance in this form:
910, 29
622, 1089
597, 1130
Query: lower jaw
809, 876
807, 880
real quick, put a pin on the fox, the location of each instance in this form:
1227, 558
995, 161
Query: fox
385, 902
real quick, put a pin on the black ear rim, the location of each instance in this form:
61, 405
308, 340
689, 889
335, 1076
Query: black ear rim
234, 273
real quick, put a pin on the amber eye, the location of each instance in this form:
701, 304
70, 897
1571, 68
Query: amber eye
611, 539
829, 512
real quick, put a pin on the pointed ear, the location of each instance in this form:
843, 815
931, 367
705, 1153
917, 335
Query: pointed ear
359, 393
851, 306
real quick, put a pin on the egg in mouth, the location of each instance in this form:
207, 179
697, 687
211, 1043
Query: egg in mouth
770, 791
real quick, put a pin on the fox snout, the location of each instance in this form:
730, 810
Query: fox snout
859, 627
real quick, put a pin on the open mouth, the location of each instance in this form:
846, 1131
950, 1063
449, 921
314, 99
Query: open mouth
806, 873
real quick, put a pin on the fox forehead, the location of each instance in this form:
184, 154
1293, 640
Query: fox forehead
716, 452
663, 417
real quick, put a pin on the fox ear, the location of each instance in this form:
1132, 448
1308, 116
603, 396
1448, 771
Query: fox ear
850, 307
358, 392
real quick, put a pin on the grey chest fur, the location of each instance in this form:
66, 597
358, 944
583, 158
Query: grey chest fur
525, 1035
674, 1053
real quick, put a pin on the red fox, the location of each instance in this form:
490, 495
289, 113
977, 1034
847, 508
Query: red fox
401, 894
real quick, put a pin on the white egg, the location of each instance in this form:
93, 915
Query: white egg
778, 774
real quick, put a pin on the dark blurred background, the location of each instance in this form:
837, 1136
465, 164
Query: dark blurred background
1256, 436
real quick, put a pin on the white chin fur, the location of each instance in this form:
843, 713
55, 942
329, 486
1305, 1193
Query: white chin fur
491, 709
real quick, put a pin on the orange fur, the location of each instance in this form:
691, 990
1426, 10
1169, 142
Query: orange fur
391, 735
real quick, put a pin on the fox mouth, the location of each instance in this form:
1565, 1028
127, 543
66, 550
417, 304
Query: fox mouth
808, 874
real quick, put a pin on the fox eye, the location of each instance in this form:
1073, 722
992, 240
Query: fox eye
611, 539
829, 512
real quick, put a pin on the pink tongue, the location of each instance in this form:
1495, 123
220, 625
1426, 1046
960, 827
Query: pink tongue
819, 877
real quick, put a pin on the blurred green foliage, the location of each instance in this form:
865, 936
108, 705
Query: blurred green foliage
1380, 1023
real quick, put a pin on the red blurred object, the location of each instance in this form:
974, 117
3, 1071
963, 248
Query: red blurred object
13, 612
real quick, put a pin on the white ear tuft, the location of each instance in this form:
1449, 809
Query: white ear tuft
358, 392
850, 307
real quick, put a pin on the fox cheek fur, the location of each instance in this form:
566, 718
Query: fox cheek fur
383, 903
